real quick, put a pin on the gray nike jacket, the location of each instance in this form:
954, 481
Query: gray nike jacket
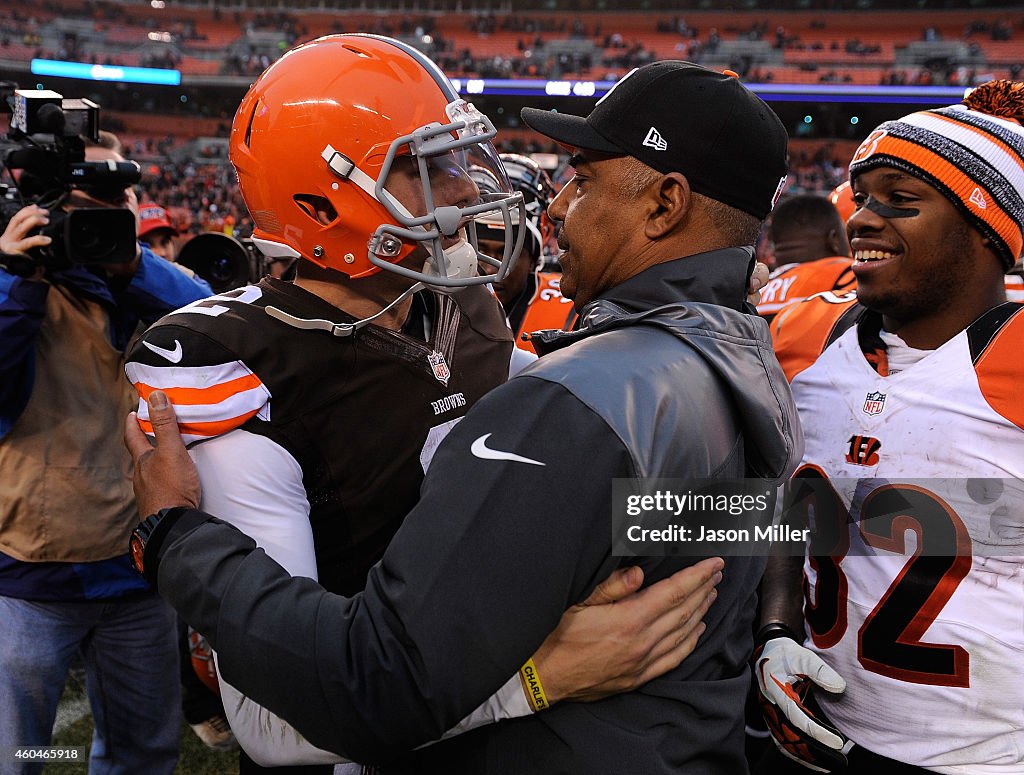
671, 375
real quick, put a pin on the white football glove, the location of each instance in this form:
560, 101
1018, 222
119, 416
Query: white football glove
785, 673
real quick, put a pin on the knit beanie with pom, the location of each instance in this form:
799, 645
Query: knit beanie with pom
973, 153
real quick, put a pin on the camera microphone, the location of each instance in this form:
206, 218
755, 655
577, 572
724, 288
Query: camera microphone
51, 119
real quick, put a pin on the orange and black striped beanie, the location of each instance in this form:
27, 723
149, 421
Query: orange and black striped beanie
973, 153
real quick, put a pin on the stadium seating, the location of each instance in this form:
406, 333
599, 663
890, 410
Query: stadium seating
781, 46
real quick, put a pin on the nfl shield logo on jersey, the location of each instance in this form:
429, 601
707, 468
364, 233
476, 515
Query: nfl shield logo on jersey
440, 367
874, 403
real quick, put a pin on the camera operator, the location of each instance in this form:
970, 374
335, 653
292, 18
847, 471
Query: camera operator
66, 503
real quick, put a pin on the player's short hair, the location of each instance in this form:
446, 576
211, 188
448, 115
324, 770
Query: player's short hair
801, 213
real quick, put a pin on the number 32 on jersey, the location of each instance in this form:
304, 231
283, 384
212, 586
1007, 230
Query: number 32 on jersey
889, 642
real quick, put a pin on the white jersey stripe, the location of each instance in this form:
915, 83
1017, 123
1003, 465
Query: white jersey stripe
169, 377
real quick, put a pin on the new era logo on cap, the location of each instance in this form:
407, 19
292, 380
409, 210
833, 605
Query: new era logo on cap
655, 140
979, 198
726, 141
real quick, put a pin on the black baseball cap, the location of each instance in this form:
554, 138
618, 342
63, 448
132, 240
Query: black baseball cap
676, 116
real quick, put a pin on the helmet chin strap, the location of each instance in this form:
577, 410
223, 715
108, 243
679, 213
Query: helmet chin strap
460, 261
338, 329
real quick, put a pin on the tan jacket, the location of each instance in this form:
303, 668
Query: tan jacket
65, 476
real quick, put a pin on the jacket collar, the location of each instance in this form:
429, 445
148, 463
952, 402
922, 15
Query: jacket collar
718, 277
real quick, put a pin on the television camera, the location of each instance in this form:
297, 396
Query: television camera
44, 152
223, 261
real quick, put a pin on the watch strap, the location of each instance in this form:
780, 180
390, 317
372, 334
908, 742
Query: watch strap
148, 538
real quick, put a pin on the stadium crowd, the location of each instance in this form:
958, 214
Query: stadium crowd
813, 49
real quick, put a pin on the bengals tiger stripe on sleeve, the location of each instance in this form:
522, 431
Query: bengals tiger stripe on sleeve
802, 331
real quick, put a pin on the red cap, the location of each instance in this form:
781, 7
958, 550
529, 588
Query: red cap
152, 217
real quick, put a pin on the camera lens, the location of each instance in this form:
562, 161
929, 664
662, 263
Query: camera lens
90, 243
219, 259
222, 270
101, 235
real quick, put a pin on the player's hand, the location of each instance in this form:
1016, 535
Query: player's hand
619, 638
164, 475
758, 280
786, 674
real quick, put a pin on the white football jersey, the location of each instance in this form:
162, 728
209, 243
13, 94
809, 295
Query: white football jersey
919, 604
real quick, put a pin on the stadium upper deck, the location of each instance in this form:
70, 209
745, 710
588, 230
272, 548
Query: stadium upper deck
865, 46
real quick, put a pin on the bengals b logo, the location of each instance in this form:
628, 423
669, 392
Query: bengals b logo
869, 146
863, 451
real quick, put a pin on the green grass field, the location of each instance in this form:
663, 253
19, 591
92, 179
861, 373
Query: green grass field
196, 758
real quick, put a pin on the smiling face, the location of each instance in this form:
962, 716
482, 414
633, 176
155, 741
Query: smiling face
601, 232
917, 261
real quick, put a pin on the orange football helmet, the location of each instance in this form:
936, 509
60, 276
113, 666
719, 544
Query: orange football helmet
842, 198
317, 137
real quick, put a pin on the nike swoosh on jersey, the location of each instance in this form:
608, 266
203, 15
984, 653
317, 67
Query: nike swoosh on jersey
174, 356
482, 451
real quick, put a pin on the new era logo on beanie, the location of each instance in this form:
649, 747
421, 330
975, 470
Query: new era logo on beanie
972, 153
676, 116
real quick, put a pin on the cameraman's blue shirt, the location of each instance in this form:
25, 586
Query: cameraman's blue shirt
156, 289
69, 581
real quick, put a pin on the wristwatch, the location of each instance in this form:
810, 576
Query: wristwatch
142, 537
